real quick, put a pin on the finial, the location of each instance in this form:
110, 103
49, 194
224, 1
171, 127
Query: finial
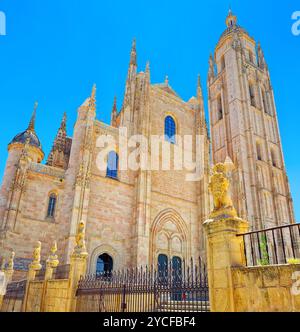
147, 67
53, 260
33, 117
64, 121
115, 105
93, 95
36, 262
167, 80
231, 19
133, 53
199, 87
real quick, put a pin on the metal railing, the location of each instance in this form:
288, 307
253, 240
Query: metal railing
273, 246
146, 289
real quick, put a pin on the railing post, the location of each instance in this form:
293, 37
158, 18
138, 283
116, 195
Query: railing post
224, 248
78, 265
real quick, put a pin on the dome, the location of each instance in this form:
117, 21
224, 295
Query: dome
27, 136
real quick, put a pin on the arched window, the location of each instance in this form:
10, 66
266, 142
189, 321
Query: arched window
223, 63
274, 159
112, 165
51, 206
258, 151
219, 108
252, 95
163, 267
105, 265
170, 130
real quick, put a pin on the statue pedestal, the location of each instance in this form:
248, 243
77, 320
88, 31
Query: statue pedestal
224, 251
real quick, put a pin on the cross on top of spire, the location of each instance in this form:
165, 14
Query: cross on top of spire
133, 53
31, 125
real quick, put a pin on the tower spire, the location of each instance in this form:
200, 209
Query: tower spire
93, 98
58, 156
114, 112
199, 89
133, 53
31, 125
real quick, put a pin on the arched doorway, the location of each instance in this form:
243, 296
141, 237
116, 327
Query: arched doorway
104, 265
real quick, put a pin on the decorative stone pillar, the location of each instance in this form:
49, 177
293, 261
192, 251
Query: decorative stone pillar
33, 268
36, 263
224, 248
78, 264
52, 262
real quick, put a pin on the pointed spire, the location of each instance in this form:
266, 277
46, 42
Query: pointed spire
93, 98
114, 112
133, 53
147, 71
59, 146
199, 88
31, 125
167, 80
63, 124
211, 72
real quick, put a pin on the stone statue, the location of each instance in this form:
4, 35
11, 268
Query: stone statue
219, 187
80, 241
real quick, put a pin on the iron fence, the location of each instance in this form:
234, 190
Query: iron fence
273, 246
146, 289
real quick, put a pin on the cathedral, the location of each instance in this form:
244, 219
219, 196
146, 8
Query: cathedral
144, 216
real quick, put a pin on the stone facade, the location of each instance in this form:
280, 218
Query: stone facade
145, 213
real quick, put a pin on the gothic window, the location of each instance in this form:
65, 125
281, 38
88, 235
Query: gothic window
219, 108
252, 95
104, 265
112, 165
274, 159
251, 57
222, 63
265, 102
51, 206
170, 130
258, 151
163, 267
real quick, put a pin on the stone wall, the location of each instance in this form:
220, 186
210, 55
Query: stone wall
265, 288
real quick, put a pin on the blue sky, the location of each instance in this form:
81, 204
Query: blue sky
55, 50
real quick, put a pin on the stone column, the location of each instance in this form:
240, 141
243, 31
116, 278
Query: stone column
224, 248
78, 265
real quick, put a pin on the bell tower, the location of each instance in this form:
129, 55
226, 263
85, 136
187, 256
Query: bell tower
244, 127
